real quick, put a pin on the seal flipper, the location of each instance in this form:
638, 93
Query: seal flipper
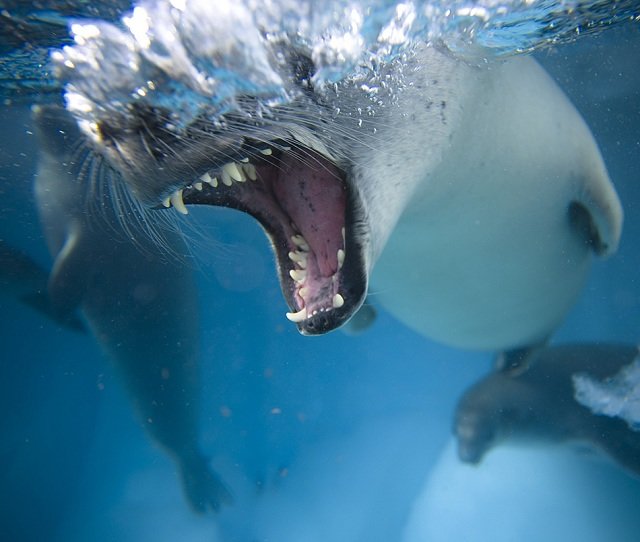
597, 212
201, 485
40, 302
69, 279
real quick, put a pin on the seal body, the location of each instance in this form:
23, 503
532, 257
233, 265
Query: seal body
496, 243
141, 305
537, 403
473, 196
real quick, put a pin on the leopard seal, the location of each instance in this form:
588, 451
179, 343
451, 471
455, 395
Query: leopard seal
538, 402
471, 197
140, 305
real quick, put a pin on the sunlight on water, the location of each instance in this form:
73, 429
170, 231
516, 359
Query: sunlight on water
181, 55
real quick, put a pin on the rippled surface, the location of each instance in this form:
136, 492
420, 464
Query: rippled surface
193, 35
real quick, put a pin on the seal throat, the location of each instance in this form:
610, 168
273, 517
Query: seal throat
301, 199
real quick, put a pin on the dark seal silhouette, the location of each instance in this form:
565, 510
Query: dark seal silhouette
534, 400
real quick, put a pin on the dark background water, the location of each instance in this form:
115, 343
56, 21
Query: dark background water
335, 438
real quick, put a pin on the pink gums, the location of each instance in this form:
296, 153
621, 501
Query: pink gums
310, 191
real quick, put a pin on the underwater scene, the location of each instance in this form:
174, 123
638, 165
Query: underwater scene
297, 271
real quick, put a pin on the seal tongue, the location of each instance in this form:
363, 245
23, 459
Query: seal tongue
310, 191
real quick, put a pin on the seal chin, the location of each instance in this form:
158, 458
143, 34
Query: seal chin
475, 436
307, 208
467, 453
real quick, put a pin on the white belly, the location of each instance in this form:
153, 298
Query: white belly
486, 257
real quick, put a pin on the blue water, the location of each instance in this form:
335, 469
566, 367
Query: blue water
332, 439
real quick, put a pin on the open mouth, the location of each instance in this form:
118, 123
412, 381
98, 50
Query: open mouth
305, 205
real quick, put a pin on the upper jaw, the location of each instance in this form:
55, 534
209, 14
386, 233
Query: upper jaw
155, 162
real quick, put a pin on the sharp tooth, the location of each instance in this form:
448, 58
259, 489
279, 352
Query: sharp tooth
214, 182
266, 152
176, 201
240, 169
344, 242
298, 316
234, 172
167, 202
299, 257
303, 292
298, 274
244, 160
197, 186
300, 242
340, 258
206, 178
250, 170
226, 178
338, 301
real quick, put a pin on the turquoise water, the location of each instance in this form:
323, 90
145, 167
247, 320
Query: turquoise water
329, 439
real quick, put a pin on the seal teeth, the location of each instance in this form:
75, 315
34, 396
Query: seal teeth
300, 242
235, 170
298, 274
266, 152
226, 176
176, 201
206, 178
166, 202
298, 316
299, 257
250, 171
232, 172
